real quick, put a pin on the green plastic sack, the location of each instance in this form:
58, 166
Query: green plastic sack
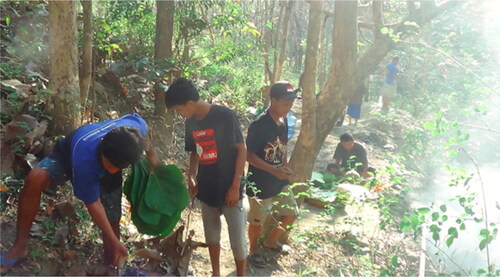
157, 200
166, 182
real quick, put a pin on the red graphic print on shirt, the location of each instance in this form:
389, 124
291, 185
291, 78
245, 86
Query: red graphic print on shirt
206, 148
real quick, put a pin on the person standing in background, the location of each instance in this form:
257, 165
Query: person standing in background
390, 84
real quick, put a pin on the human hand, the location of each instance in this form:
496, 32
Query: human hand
153, 163
192, 187
282, 172
233, 196
119, 253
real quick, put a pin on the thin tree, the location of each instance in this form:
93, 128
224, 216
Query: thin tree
163, 53
65, 101
86, 67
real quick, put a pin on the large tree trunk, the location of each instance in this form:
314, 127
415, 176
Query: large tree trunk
65, 108
86, 68
333, 97
307, 135
163, 50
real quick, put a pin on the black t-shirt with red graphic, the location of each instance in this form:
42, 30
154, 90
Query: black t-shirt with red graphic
214, 139
268, 141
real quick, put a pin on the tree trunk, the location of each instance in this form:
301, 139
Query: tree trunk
307, 135
323, 45
86, 69
65, 108
278, 64
163, 50
268, 41
333, 96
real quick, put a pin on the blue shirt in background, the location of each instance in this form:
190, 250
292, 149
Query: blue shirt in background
86, 163
392, 71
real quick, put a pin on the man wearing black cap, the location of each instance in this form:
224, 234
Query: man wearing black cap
266, 143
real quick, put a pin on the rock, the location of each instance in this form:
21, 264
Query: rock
69, 255
76, 270
61, 236
50, 267
389, 146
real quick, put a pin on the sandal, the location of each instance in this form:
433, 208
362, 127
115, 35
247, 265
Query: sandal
257, 260
11, 263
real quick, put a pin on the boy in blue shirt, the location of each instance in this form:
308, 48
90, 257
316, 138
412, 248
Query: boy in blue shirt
92, 157
390, 84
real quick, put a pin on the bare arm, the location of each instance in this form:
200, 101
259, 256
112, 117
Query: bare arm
96, 211
364, 173
151, 154
233, 194
192, 172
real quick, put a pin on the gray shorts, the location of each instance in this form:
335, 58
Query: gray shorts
111, 185
236, 218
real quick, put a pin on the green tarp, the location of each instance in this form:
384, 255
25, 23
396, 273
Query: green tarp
157, 199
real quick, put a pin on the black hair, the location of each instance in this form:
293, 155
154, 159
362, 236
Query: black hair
346, 137
395, 58
180, 92
122, 146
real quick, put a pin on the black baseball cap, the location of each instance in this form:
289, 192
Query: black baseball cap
283, 90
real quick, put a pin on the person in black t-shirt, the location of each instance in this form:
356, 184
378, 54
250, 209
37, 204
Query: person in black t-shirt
349, 156
266, 144
216, 164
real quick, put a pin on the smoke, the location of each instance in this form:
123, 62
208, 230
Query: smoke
480, 156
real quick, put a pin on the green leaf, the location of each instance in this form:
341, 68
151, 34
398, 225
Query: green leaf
394, 261
449, 241
482, 244
410, 23
452, 231
7, 20
435, 236
423, 211
435, 216
429, 125
484, 232
106, 27
317, 177
444, 218
480, 271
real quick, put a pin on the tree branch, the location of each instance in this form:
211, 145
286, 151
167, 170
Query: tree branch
376, 53
378, 17
412, 9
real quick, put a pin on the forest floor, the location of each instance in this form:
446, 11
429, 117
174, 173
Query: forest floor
324, 244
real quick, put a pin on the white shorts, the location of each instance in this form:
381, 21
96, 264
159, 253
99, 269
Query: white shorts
388, 90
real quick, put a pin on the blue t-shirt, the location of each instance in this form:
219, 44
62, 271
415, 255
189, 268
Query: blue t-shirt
392, 71
86, 164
